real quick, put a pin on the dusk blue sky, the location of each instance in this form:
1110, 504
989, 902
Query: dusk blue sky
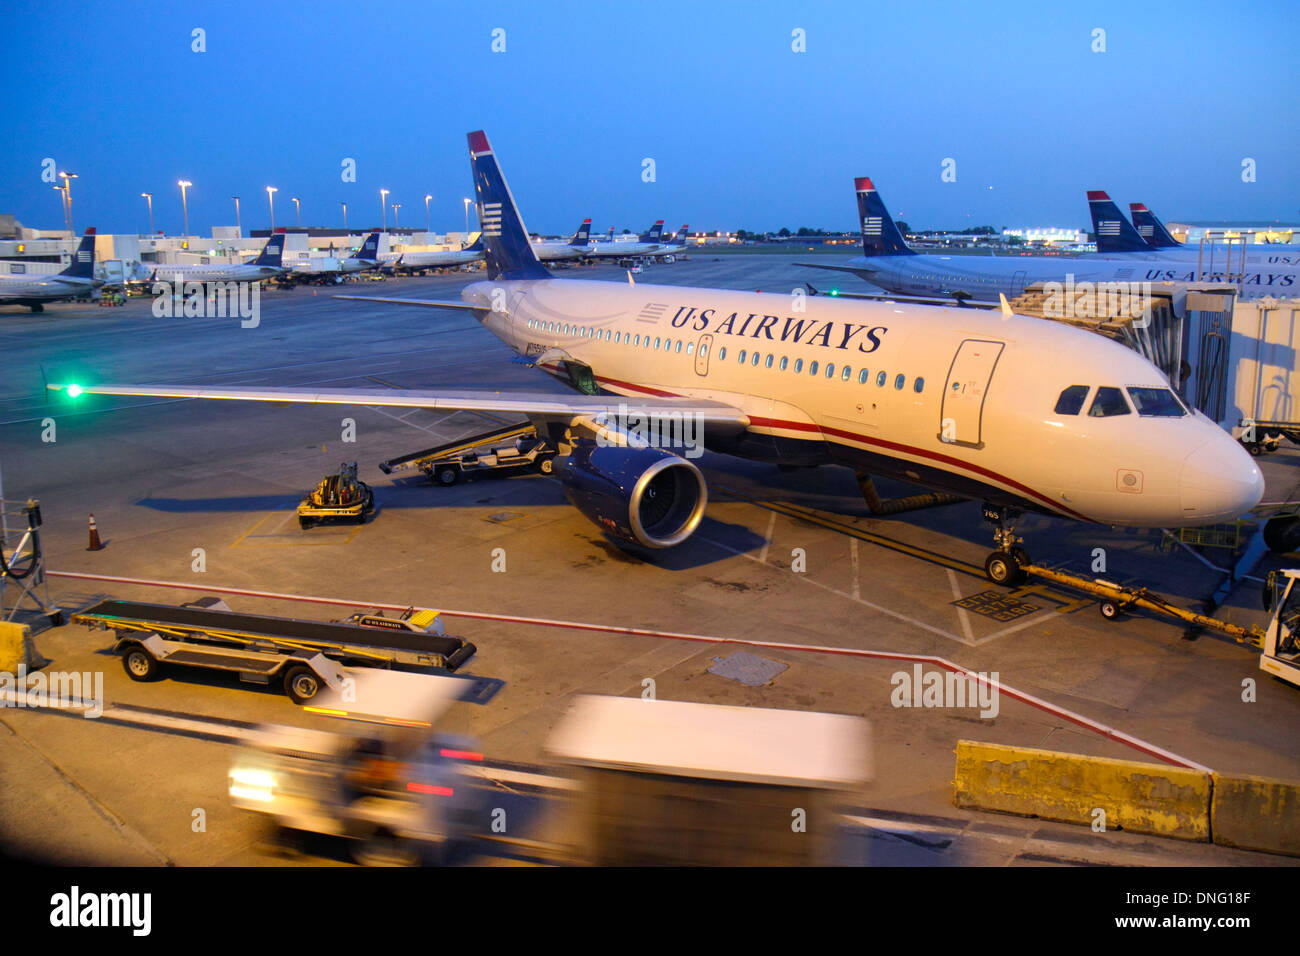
744, 132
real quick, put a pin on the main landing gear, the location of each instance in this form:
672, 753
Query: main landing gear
1005, 565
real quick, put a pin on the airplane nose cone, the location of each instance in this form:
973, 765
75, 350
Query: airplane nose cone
1219, 482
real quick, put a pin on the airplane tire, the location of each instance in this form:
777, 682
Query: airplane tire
1003, 568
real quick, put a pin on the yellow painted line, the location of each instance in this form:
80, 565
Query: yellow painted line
293, 539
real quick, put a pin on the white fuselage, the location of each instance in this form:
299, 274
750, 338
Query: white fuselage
618, 250
45, 288
984, 278
560, 251
433, 260
944, 396
178, 274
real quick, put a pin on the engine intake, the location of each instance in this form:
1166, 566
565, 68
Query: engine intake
642, 495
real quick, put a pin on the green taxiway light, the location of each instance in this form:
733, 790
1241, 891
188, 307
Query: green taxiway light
74, 391
835, 291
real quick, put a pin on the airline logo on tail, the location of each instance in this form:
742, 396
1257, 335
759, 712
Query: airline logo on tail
871, 226
490, 218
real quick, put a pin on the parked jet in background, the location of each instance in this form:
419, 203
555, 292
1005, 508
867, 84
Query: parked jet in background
268, 264
333, 270
74, 282
561, 250
440, 259
959, 400
646, 244
890, 264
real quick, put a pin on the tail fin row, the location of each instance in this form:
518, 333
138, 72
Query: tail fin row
1150, 228
583, 235
83, 260
653, 233
1114, 232
370, 248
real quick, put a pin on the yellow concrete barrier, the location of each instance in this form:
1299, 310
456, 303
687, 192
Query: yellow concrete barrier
1256, 813
1142, 797
16, 648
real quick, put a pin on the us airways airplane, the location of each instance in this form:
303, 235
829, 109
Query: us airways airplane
77, 280
560, 251
267, 265
445, 258
645, 244
980, 404
330, 269
890, 264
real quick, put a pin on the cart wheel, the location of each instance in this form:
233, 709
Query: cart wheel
301, 684
1002, 568
304, 522
382, 848
546, 465
446, 475
1109, 610
1255, 448
139, 664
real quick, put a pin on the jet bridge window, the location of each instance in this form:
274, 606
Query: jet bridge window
1155, 403
1071, 400
1109, 401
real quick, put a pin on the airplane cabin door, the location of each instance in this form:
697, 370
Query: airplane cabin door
702, 349
962, 412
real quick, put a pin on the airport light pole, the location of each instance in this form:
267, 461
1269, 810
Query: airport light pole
396, 206
63, 205
345, 216
383, 208
238, 226
270, 200
185, 184
67, 195
466, 219
149, 198
297, 208
428, 222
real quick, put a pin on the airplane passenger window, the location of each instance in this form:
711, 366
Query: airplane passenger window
768, 362
722, 354
918, 385
1155, 403
899, 380
880, 378
784, 363
798, 366
754, 360
812, 368
637, 341
618, 337
656, 342
863, 376
1071, 400
1109, 401
679, 347
830, 370
846, 374
690, 347
742, 356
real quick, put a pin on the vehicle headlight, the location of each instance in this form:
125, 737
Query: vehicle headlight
247, 783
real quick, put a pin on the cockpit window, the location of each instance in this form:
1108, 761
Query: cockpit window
1156, 403
1109, 401
1071, 400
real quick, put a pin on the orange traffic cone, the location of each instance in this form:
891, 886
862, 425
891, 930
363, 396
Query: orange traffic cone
95, 543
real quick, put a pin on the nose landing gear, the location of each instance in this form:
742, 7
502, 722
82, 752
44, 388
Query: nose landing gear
1006, 564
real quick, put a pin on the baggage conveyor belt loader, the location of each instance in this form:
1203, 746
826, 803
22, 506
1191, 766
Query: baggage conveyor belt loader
306, 656
515, 446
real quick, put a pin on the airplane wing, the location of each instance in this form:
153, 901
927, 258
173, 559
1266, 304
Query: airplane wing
428, 303
534, 405
856, 270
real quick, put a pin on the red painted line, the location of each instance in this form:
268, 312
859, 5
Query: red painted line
1102, 730
878, 442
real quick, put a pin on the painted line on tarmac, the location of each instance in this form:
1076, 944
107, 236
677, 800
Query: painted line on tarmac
1109, 733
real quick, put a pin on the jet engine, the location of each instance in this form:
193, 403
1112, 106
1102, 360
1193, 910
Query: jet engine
645, 496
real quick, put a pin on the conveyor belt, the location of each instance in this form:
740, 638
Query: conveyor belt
272, 628
415, 459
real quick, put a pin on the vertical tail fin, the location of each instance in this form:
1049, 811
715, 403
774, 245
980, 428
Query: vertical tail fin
370, 248
477, 245
1114, 232
83, 260
1150, 228
581, 237
272, 253
680, 238
653, 233
880, 234
508, 252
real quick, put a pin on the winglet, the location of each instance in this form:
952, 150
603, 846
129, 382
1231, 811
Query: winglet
1006, 306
